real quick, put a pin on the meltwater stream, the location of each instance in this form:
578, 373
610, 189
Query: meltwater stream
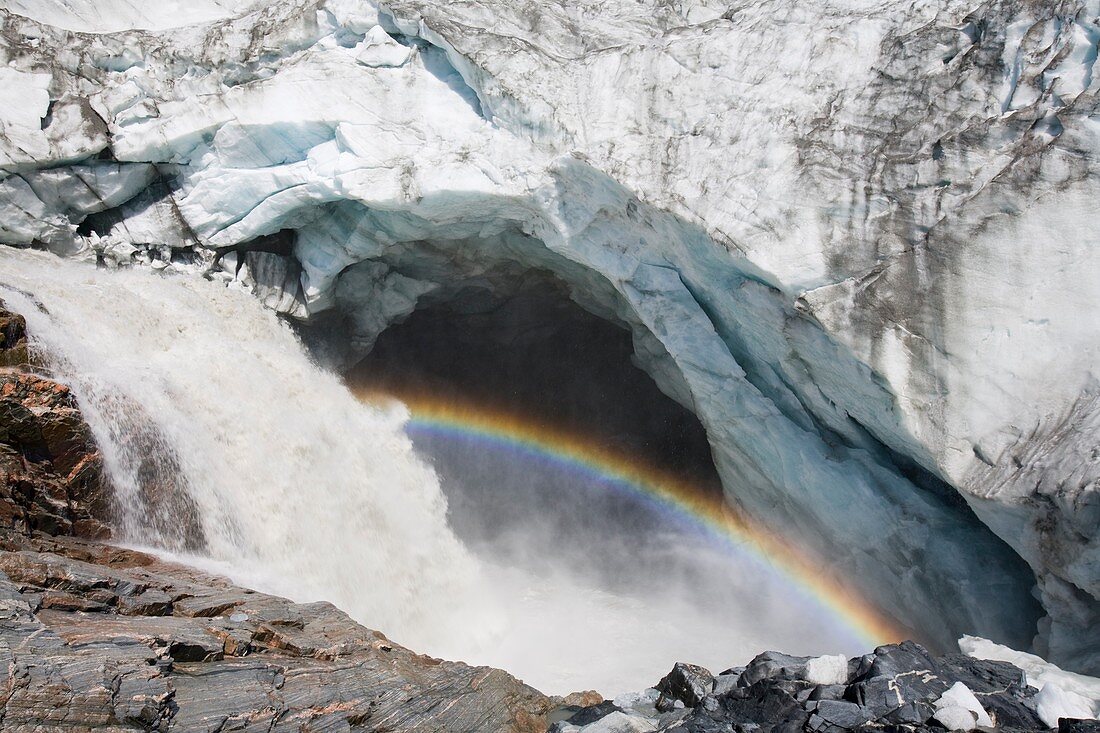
293, 483
229, 449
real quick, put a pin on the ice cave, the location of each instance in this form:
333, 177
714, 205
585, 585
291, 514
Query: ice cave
467, 366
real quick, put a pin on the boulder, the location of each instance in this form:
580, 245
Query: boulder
688, 683
773, 665
895, 675
898, 687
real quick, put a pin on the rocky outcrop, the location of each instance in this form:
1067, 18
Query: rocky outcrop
13, 338
95, 637
51, 473
900, 688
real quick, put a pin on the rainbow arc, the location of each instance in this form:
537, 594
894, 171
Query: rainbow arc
709, 513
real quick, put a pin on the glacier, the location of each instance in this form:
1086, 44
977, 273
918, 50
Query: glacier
854, 238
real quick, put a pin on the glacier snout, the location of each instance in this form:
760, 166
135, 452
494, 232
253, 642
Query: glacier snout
855, 239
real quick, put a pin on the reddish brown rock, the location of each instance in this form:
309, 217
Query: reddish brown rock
150, 603
13, 339
61, 601
51, 474
583, 699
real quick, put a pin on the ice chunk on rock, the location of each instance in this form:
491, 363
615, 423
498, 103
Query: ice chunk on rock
635, 700
616, 722
1053, 703
827, 670
1077, 690
959, 709
620, 722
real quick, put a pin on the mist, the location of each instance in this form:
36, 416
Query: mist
602, 589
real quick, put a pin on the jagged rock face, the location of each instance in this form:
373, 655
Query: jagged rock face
13, 339
851, 236
95, 637
51, 474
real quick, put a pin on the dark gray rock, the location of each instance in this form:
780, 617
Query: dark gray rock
767, 703
895, 675
884, 694
891, 690
835, 716
894, 659
1012, 709
592, 713
828, 692
1075, 725
981, 675
688, 683
858, 667
911, 713
725, 682
773, 665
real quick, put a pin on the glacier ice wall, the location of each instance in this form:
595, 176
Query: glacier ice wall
853, 236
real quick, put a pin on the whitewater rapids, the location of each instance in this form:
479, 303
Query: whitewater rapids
290, 477
299, 489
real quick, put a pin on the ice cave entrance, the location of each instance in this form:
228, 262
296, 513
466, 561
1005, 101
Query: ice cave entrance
525, 403
543, 360
532, 385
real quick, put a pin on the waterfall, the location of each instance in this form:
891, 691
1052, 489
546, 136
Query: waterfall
221, 438
229, 449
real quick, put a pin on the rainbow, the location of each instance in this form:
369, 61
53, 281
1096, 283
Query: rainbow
704, 511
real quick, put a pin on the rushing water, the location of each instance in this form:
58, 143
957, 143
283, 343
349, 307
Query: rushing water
196, 392
229, 448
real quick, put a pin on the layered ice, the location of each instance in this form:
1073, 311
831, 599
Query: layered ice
92, 16
854, 238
